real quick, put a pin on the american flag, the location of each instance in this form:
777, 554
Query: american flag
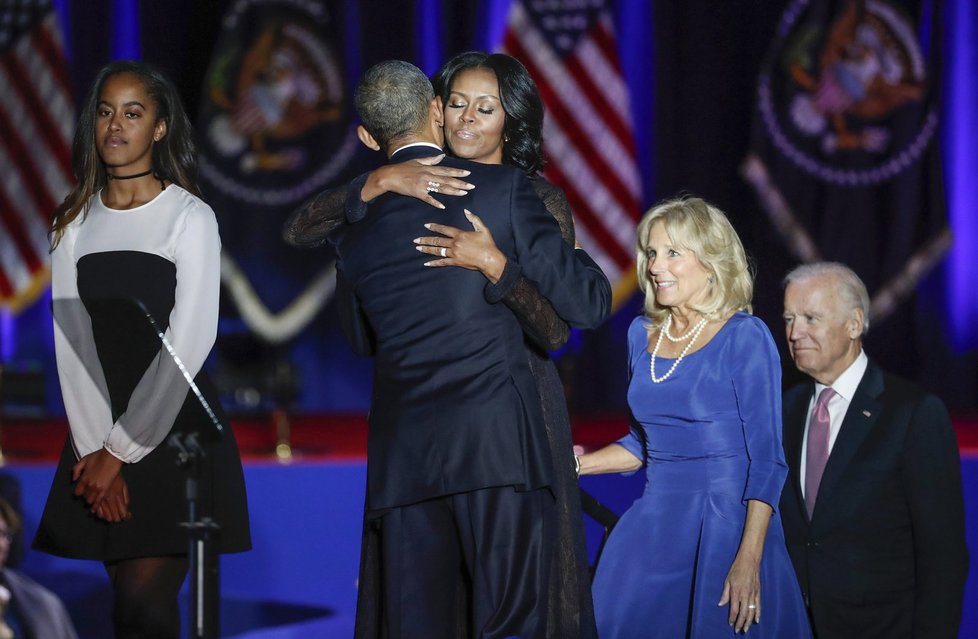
569, 49
36, 126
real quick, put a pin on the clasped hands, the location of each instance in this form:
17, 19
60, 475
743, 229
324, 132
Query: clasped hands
98, 479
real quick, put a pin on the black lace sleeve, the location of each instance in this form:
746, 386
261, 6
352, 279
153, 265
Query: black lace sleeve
540, 322
310, 224
556, 202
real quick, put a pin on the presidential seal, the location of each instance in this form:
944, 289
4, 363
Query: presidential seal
844, 97
275, 120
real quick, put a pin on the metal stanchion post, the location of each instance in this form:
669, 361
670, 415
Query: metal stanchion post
283, 434
204, 577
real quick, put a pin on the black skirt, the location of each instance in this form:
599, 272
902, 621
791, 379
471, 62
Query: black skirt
157, 501
119, 291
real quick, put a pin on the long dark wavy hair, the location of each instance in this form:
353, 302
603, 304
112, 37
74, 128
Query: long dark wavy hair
174, 155
523, 127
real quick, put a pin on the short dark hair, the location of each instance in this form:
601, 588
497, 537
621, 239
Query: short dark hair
392, 100
523, 128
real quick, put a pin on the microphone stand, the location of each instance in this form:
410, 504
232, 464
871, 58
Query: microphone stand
204, 581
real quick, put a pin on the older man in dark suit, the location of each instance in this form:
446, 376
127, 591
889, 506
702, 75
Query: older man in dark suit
458, 462
873, 510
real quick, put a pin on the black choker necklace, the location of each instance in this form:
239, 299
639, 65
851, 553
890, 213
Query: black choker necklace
129, 177
137, 175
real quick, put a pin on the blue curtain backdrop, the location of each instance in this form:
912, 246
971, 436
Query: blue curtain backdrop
960, 139
691, 69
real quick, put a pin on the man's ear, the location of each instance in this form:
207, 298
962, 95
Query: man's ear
367, 139
855, 324
437, 112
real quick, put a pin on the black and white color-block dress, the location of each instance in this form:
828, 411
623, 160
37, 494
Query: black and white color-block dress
126, 392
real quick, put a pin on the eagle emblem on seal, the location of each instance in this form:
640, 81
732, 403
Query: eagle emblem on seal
868, 64
285, 86
275, 117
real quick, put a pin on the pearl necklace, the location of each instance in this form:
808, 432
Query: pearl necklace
691, 335
681, 338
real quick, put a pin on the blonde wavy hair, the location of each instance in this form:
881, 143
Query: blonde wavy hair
697, 226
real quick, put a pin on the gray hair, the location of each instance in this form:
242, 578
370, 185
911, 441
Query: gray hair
392, 100
851, 289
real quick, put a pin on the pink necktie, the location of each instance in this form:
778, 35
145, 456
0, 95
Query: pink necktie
818, 447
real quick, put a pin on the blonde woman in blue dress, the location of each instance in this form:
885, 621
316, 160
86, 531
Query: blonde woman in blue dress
701, 553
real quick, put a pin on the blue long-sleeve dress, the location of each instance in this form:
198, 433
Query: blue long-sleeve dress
710, 437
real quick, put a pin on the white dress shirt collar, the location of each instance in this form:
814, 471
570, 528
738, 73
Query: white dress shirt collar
847, 383
408, 146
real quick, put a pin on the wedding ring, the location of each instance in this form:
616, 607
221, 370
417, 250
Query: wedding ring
444, 252
433, 186
751, 606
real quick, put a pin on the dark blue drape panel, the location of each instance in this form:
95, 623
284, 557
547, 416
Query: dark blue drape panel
62, 7
637, 51
493, 21
960, 139
125, 30
428, 28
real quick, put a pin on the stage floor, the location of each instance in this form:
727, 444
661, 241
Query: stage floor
299, 581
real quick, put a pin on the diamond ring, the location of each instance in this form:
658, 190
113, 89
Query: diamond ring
433, 186
444, 252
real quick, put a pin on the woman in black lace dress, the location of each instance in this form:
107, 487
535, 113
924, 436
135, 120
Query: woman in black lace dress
493, 115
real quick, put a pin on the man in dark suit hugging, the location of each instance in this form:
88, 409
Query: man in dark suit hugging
458, 460
873, 510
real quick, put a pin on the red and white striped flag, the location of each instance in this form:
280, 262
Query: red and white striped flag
36, 126
588, 140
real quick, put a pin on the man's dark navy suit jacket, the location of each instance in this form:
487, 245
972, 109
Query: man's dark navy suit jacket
454, 406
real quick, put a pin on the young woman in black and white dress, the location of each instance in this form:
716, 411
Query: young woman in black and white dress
134, 239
